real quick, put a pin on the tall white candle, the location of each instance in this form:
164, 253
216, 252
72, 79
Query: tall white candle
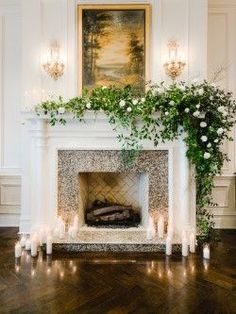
206, 251
18, 250
192, 242
76, 223
28, 244
184, 246
62, 230
160, 227
22, 240
168, 246
49, 245
150, 229
34, 246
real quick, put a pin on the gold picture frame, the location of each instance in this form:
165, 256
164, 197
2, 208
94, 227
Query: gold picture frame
136, 69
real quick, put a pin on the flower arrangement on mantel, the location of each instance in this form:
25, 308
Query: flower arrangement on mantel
204, 113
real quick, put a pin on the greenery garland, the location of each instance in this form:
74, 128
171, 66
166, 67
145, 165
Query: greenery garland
202, 112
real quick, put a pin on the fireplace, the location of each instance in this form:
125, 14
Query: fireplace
62, 163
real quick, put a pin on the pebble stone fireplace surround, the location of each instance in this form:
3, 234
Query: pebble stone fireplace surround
53, 157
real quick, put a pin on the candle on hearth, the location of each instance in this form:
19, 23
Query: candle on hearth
192, 242
160, 227
49, 245
184, 246
18, 250
62, 230
76, 223
23, 240
150, 229
206, 251
168, 245
34, 246
28, 244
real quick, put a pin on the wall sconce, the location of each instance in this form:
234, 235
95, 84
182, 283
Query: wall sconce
174, 66
54, 66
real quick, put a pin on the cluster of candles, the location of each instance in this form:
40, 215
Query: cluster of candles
45, 236
188, 239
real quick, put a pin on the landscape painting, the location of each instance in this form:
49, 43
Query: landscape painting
113, 45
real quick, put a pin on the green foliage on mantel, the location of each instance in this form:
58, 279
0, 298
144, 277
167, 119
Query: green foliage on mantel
203, 113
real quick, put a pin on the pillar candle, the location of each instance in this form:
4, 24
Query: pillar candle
168, 246
34, 247
22, 241
49, 245
192, 242
76, 222
184, 247
18, 250
150, 229
206, 251
27, 244
160, 227
62, 230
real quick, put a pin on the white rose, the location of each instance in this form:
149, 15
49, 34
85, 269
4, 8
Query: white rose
203, 124
209, 145
202, 115
129, 109
196, 113
225, 113
166, 113
207, 155
216, 140
172, 103
200, 91
143, 99
220, 131
122, 103
134, 101
61, 110
88, 105
198, 106
203, 138
221, 109
187, 110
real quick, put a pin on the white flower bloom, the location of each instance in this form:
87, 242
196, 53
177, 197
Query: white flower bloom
221, 109
216, 140
182, 88
104, 87
172, 103
143, 99
204, 138
200, 91
225, 113
211, 98
134, 101
187, 110
202, 115
129, 109
207, 155
166, 113
88, 105
203, 124
122, 103
155, 91
198, 106
195, 81
209, 145
61, 110
220, 131
196, 113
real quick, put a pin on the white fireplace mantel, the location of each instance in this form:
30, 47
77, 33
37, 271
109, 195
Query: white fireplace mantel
41, 143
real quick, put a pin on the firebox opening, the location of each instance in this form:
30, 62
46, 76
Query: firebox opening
111, 199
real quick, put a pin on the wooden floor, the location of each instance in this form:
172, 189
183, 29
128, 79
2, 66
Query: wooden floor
116, 283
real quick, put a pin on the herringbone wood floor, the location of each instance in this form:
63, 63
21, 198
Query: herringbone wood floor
117, 283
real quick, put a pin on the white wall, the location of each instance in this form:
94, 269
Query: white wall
28, 26
10, 93
222, 51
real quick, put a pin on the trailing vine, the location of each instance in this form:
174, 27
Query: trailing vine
203, 113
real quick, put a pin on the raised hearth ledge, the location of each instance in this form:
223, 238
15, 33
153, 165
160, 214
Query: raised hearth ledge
41, 143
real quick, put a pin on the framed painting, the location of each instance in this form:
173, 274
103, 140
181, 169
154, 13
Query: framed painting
113, 45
